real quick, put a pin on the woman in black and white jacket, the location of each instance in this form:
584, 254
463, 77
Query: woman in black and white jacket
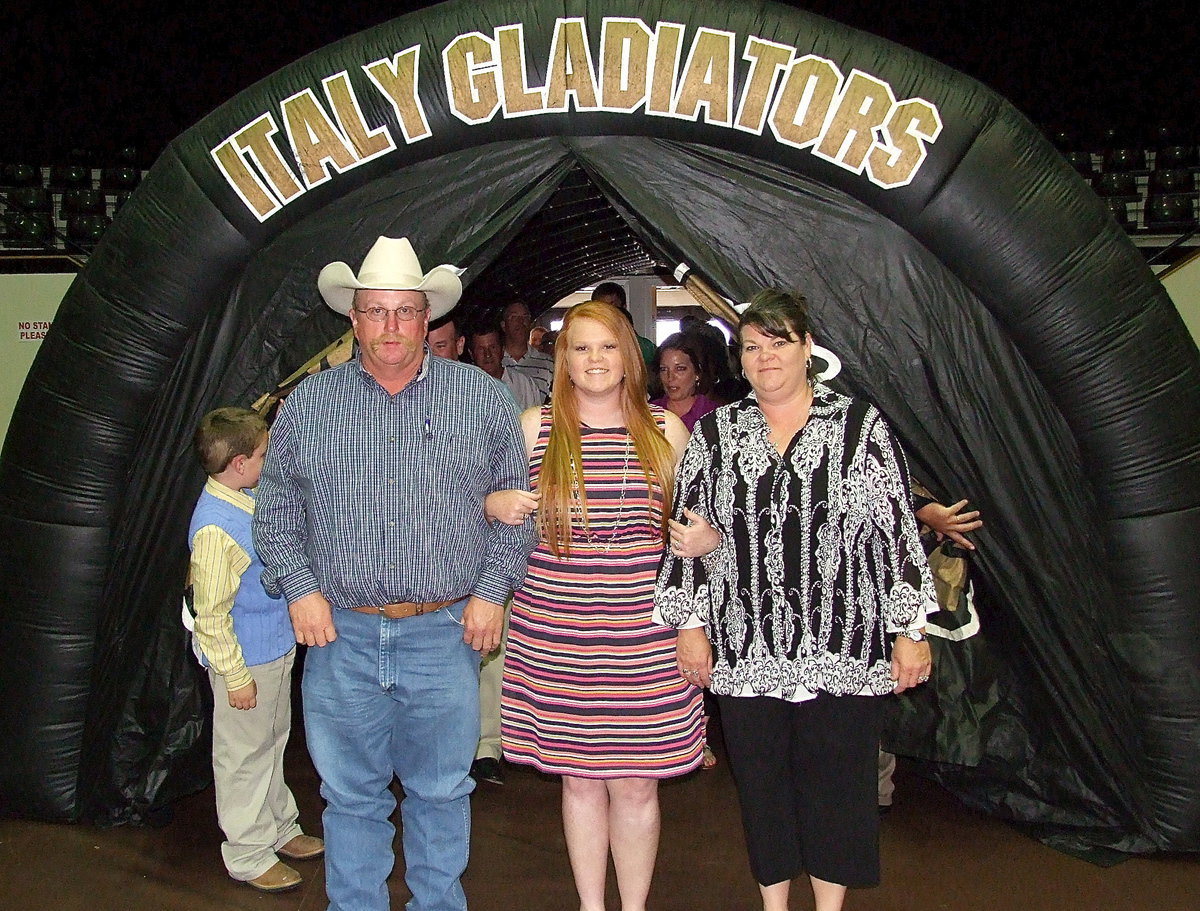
810, 607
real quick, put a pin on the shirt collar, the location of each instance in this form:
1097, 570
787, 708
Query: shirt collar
238, 498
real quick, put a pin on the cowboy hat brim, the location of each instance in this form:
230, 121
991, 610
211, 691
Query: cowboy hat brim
442, 286
391, 265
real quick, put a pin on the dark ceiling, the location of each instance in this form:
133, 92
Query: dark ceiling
576, 239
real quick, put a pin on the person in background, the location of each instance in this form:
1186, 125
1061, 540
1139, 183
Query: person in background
590, 690
245, 637
809, 608
944, 522
612, 293
686, 378
520, 355
486, 348
446, 341
546, 345
723, 385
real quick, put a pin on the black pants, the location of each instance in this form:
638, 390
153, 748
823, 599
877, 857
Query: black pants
806, 775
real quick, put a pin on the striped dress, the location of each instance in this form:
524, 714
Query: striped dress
591, 687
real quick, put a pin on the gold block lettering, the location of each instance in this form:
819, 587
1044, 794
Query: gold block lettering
397, 80
367, 143
624, 64
255, 139
708, 78
668, 41
244, 181
519, 99
800, 109
912, 125
314, 138
470, 78
864, 105
570, 68
767, 60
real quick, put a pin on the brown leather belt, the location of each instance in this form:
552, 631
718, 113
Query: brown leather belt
402, 609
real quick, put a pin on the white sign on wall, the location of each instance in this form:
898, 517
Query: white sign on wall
32, 330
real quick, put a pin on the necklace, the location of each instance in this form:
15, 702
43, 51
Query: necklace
577, 498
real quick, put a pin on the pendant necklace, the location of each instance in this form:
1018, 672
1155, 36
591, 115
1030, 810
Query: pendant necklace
577, 497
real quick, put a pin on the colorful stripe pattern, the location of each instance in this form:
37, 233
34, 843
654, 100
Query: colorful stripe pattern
590, 683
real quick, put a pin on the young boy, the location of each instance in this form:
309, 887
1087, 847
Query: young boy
248, 646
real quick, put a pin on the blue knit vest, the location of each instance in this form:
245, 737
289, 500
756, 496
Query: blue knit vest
261, 623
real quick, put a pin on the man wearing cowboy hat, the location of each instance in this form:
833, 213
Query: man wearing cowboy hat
370, 520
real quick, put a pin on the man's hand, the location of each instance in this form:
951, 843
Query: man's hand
482, 624
951, 522
312, 620
244, 697
512, 507
697, 539
693, 656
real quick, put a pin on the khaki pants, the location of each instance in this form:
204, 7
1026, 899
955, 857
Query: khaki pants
887, 768
491, 675
255, 809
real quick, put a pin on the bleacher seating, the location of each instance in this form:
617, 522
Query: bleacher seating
119, 179
66, 206
1119, 209
86, 229
20, 175
1172, 180
28, 229
1116, 184
1150, 187
1174, 211
29, 199
82, 201
68, 176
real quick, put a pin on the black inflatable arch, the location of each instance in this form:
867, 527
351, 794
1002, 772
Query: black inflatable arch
982, 296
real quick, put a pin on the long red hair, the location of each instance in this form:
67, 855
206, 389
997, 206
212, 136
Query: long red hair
556, 481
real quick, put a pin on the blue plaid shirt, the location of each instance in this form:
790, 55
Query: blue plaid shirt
372, 498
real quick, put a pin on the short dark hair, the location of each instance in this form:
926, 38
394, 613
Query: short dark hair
604, 289
225, 433
779, 314
486, 325
443, 320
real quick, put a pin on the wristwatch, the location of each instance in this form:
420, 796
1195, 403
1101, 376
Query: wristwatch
916, 635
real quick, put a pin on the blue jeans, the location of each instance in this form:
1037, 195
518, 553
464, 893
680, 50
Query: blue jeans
394, 697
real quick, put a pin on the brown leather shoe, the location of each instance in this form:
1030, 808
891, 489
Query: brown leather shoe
278, 878
303, 847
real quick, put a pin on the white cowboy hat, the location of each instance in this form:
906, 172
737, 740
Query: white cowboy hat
391, 265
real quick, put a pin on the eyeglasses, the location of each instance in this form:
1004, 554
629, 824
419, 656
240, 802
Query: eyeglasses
380, 314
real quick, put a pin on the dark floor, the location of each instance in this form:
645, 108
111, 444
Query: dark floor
936, 855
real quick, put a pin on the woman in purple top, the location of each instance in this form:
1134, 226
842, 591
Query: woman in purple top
685, 378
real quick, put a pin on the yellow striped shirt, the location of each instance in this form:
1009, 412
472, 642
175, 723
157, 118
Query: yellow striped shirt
216, 568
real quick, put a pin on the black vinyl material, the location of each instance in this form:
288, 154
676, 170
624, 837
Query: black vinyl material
991, 307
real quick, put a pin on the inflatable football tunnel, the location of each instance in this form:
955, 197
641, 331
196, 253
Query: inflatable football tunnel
974, 287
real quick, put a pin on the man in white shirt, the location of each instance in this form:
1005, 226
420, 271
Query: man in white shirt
487, 353
519, 355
